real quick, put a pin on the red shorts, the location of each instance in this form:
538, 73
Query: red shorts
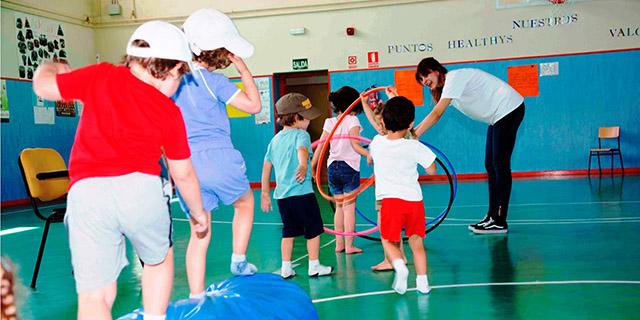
396, 214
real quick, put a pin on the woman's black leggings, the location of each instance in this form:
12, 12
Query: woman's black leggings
501, 138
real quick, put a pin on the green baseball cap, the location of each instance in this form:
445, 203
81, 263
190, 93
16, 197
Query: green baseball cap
297, 103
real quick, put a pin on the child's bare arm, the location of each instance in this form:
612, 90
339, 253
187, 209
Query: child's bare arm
186, 180
44, 80
265, 198
249, 99
303, 158
355, 132
316, 155
432, 169
369, 113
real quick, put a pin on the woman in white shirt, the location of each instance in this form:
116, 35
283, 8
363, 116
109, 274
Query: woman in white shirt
483, 97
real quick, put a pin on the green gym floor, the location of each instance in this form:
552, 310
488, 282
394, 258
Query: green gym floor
572, 252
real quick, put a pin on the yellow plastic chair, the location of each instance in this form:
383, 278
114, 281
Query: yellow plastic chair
605, 133
46, 180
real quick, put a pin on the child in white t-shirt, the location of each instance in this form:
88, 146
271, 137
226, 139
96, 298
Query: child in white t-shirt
344, 163
375, 118
396, 161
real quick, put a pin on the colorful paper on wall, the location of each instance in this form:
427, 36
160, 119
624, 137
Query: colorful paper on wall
43, 115
4, 114
38, 40
65, 109
264, 116
524, 79
405, 81
233, 112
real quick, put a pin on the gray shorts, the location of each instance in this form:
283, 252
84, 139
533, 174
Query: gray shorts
101, 212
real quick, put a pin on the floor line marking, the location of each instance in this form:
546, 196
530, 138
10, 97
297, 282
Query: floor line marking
321, 247
231, 222
552, 220
174, 200
16, 230
549, 223
514, 222
542, 204
486, 284
293, 262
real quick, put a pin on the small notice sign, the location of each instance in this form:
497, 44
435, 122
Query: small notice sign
300, 64
65, 108
524, 79
549, 69
352, 61
372, 58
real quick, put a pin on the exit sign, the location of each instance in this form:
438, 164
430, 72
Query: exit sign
300, 64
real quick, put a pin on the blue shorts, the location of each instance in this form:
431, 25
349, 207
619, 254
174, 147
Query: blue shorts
342, 178
300, 216
222, 174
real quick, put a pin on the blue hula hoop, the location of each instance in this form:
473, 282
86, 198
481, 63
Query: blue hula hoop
453, 186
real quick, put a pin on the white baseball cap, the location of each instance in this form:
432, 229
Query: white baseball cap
165, 40
210, 29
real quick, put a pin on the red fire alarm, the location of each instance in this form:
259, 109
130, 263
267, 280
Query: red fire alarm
351, 31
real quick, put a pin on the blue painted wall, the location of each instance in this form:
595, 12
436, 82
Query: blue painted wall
560, 125
252, 139
21, 132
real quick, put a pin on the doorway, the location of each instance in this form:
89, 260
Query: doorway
315, 86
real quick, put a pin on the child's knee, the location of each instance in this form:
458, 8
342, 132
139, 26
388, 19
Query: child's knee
102, 296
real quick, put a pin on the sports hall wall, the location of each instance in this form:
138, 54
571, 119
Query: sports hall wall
560, 124
21, 131
595, 43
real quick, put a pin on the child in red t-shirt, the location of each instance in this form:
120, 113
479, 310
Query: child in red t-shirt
115, 191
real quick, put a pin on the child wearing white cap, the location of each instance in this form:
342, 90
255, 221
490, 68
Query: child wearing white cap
202, 98
115, 189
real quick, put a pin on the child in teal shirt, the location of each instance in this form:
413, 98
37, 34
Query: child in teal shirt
289, 153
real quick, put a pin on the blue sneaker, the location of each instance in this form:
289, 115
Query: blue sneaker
243, 268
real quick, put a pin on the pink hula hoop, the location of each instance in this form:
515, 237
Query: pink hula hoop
351, 234
341, 136
314, 145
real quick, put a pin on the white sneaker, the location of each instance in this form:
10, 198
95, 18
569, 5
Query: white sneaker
320, 271
287, 274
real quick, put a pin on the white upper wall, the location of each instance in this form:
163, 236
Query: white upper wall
443, 26
55, 9
79, 41
402, 32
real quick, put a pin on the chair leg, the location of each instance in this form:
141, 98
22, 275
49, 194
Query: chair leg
40, 253
599, 166
612, 164
589, 166
621, 164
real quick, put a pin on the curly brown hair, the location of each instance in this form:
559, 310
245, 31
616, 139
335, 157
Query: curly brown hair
159, 68
214, 59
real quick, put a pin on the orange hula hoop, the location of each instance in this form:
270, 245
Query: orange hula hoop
325, 145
